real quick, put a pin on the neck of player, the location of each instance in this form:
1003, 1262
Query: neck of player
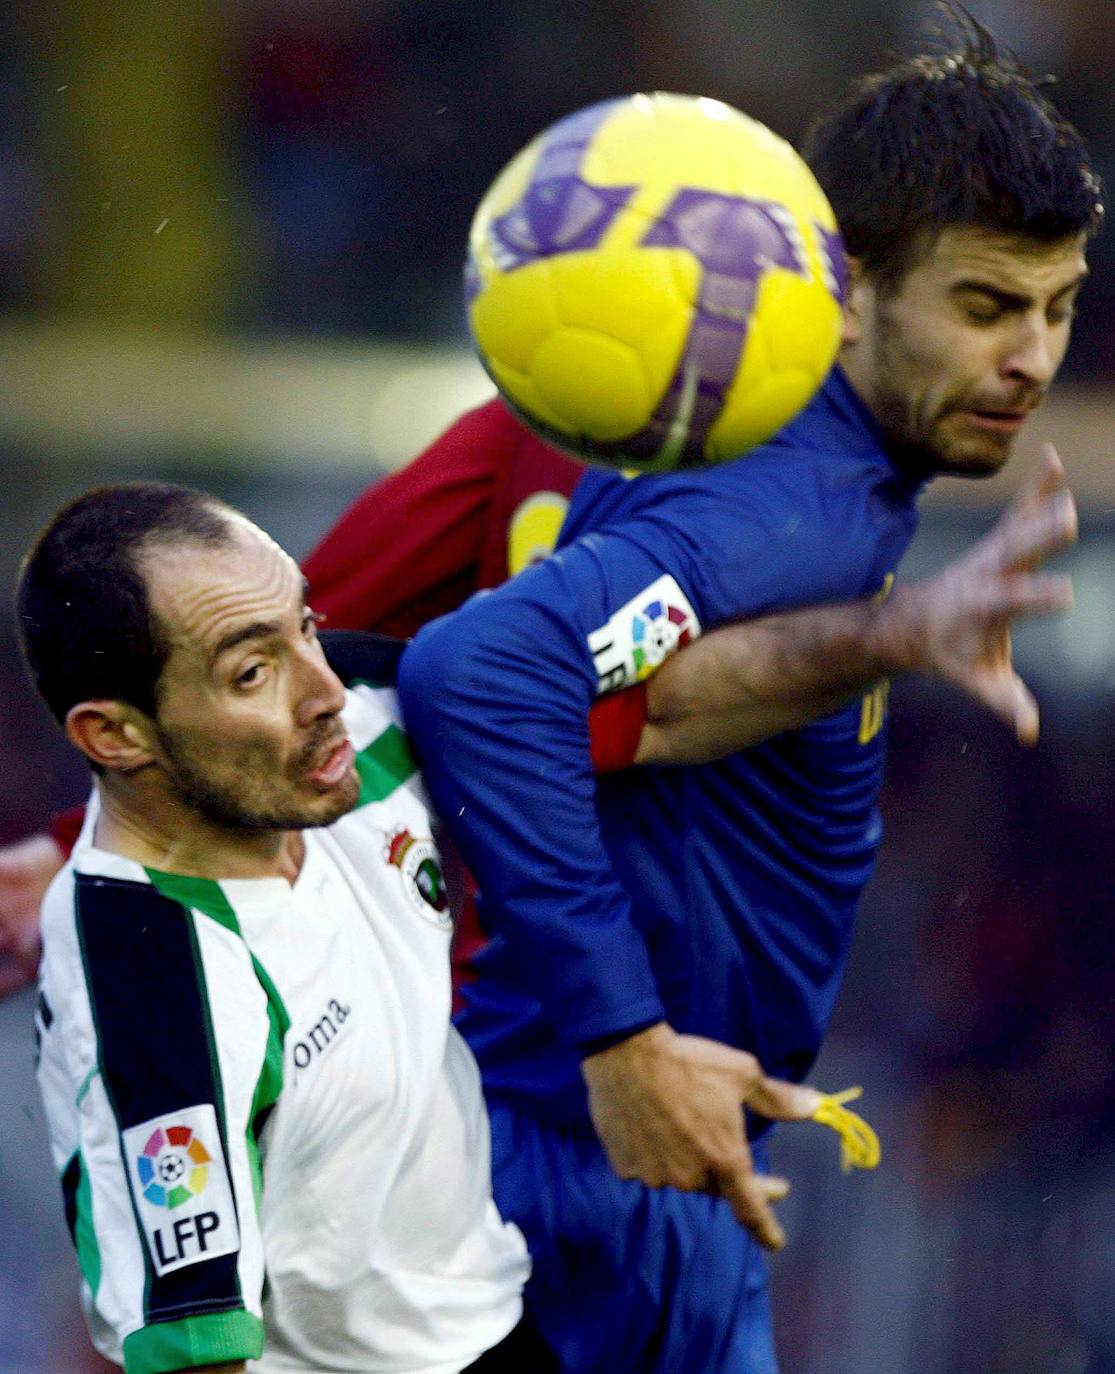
139, 823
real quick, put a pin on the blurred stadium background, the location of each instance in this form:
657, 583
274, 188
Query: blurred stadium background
230, 244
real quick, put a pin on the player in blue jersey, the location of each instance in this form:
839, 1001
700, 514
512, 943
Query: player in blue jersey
648, 936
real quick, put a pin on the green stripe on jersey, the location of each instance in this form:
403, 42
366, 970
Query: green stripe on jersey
207, 896
215, 1338
85, 1237
202, 893
384, 765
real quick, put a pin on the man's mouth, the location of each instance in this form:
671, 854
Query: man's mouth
332, 765
998, 421
1005, 418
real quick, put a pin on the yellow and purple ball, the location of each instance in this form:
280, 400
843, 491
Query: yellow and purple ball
656, 282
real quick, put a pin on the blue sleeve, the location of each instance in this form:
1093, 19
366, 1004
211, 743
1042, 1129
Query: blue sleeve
496, 698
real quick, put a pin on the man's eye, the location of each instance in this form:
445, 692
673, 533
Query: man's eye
983, 312
250, 677
310, 621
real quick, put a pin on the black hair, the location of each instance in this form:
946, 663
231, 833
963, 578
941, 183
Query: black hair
85, 619
964, 136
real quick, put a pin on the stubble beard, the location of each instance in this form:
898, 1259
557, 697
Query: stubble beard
246, 806
925, 450
931, 454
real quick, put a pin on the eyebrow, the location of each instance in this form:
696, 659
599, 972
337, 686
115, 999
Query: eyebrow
1013, 299
255, 629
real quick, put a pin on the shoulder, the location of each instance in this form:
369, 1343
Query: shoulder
91, 877
370, 709
390, 783
363, 656
495, 424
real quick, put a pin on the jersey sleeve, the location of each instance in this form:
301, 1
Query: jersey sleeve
154, 1067
496, 699
407, 550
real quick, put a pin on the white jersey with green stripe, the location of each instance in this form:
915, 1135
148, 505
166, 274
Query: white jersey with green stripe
273, 1145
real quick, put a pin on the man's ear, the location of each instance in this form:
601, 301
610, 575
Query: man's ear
855, 302
111, 734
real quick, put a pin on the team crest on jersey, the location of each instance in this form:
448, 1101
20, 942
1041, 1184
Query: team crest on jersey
420, 865
642, 634
181, 1188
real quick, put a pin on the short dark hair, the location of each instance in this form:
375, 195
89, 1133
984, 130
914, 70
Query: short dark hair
85, 618
963, 136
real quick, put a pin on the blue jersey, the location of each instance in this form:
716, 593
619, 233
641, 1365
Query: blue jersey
719, 897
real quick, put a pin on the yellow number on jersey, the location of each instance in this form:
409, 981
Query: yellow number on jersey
873, 710
534, 528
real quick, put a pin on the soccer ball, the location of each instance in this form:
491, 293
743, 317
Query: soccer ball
656, 282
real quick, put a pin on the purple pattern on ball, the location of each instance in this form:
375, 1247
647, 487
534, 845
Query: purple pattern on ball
832, 246
736, 240
560, 212
473, 283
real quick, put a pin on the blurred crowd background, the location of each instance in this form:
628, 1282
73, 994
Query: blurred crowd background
231, 235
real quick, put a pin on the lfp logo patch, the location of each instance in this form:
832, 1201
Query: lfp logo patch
181, 1188
173, 1166
642, 634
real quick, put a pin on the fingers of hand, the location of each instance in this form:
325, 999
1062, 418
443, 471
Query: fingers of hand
781, 1101
1007, 697
1024, 538
750, 1196
1027, 720
1024, 594
1046, 478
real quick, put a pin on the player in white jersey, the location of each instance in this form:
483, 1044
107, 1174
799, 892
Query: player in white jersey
165, 1002
273, 1146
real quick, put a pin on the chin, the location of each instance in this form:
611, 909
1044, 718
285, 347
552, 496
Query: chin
974, 464
337, 802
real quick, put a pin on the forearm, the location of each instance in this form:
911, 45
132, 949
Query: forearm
745, 682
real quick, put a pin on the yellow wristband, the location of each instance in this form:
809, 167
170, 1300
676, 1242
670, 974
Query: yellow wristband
859, 1145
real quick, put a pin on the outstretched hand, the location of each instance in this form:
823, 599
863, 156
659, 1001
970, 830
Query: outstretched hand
26, 869
964, 614
668, 1111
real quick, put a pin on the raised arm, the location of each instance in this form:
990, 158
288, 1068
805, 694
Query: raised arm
745, 682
